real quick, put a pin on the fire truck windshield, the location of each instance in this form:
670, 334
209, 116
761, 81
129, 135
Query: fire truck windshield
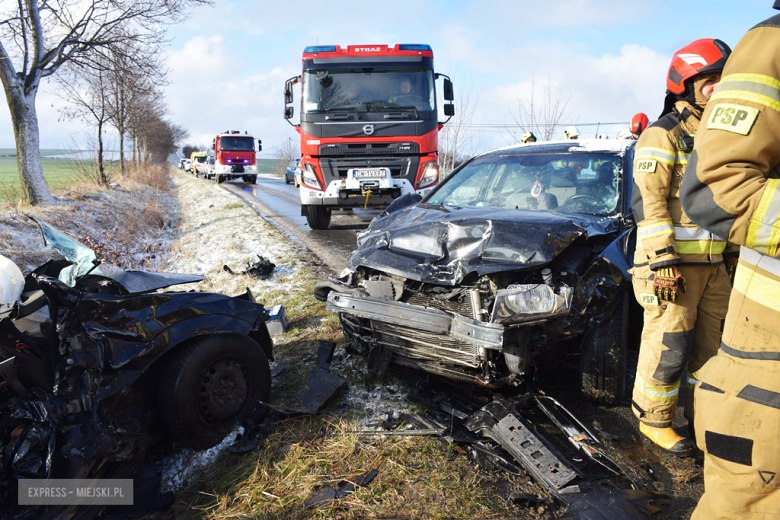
374, 89
237, 144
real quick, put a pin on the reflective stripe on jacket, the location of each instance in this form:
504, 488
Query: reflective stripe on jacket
666, 235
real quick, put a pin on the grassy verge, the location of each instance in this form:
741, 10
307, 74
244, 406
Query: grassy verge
418, 477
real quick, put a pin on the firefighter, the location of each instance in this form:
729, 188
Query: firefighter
528, 137
638, 124
571, 132
732, 188
678, 273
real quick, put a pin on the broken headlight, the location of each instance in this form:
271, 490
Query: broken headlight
518, 303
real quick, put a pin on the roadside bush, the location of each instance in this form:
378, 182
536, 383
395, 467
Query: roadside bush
154, 175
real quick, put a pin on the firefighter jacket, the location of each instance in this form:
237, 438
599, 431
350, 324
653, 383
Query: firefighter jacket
732, 188
666, 235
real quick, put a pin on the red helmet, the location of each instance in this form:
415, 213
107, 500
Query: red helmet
697, 57
639, 123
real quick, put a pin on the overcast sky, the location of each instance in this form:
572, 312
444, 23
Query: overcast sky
228, 63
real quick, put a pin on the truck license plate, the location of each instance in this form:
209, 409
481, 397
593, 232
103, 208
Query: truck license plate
369, 173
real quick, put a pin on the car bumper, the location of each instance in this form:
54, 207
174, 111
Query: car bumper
481, 335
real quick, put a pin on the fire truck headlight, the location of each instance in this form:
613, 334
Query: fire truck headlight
252, 168
430, 175
309, 178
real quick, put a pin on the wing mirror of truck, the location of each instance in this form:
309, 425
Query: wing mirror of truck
288, 94
448, 95
259, 145
449, 110
288, 112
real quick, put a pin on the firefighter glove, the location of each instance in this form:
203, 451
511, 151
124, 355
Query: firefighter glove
668, 280
731, 265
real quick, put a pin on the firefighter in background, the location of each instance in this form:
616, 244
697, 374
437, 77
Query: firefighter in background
638, 124
528, 137
732, 188
571, 132
678, 273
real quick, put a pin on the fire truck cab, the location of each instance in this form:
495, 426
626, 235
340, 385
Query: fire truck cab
369, 126
234, 156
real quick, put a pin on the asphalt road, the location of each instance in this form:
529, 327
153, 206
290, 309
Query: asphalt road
280, 204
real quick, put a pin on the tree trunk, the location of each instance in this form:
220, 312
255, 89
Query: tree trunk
122, 151
28, 153
101, 171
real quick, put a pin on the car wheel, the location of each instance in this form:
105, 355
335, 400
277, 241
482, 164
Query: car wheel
253, 179
603, 359
286, 179
211, 384
220, 179
318, 217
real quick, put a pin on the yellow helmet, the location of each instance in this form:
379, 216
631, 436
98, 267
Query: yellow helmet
528, 137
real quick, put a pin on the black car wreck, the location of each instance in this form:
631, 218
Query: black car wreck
97, 365
518, 259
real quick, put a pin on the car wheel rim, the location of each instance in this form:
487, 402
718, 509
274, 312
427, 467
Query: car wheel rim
222, 392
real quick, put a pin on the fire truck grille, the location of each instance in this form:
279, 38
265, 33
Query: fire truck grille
379, 149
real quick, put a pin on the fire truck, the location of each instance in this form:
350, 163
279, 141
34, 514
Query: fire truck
369, 126
234, 156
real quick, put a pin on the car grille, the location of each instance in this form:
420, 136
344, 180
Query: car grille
424, 300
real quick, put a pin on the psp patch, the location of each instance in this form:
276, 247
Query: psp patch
737, 119
646, 166
649, 299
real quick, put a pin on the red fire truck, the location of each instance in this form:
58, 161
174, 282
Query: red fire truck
369, 126
234, 156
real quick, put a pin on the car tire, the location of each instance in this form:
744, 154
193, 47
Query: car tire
603, 358
286, 179
220, 179
318, 217
211, 384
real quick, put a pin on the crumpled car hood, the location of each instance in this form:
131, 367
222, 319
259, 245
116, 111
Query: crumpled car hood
443, 245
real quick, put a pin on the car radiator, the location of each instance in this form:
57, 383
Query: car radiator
412, 343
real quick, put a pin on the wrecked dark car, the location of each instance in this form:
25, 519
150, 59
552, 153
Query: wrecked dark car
96, 365
517, 261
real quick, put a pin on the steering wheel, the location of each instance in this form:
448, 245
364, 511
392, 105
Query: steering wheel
582, 196
409, 97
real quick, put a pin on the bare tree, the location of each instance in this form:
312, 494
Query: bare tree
86, 92
286, 152
38, 36
457, 139
540, 114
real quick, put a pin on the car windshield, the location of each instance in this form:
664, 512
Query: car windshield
585, 183
200, 159
375, 89
237, 144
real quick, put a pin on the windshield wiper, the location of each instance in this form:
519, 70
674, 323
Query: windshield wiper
342, 109
394, 116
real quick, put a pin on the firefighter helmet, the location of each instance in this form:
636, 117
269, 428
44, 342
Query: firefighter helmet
571, 132
697, 57
639, 123
528, 137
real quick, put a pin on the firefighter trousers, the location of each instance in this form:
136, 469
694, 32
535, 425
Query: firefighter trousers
738, 401
686, 331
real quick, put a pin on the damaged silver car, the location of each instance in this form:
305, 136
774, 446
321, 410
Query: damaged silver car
518, 260
96, 365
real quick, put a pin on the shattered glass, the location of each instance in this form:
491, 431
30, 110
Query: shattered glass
83, 258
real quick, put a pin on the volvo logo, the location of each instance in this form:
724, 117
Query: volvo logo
368, 129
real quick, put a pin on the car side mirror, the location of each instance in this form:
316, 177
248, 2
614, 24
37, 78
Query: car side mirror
288, 112
449, 110
448, 94
288, 94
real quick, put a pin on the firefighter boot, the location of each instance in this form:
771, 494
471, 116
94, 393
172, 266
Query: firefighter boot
669, 440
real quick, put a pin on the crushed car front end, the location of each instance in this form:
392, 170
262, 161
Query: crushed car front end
489, 278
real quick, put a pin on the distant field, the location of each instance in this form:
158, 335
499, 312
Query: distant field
58, 174
266, 165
